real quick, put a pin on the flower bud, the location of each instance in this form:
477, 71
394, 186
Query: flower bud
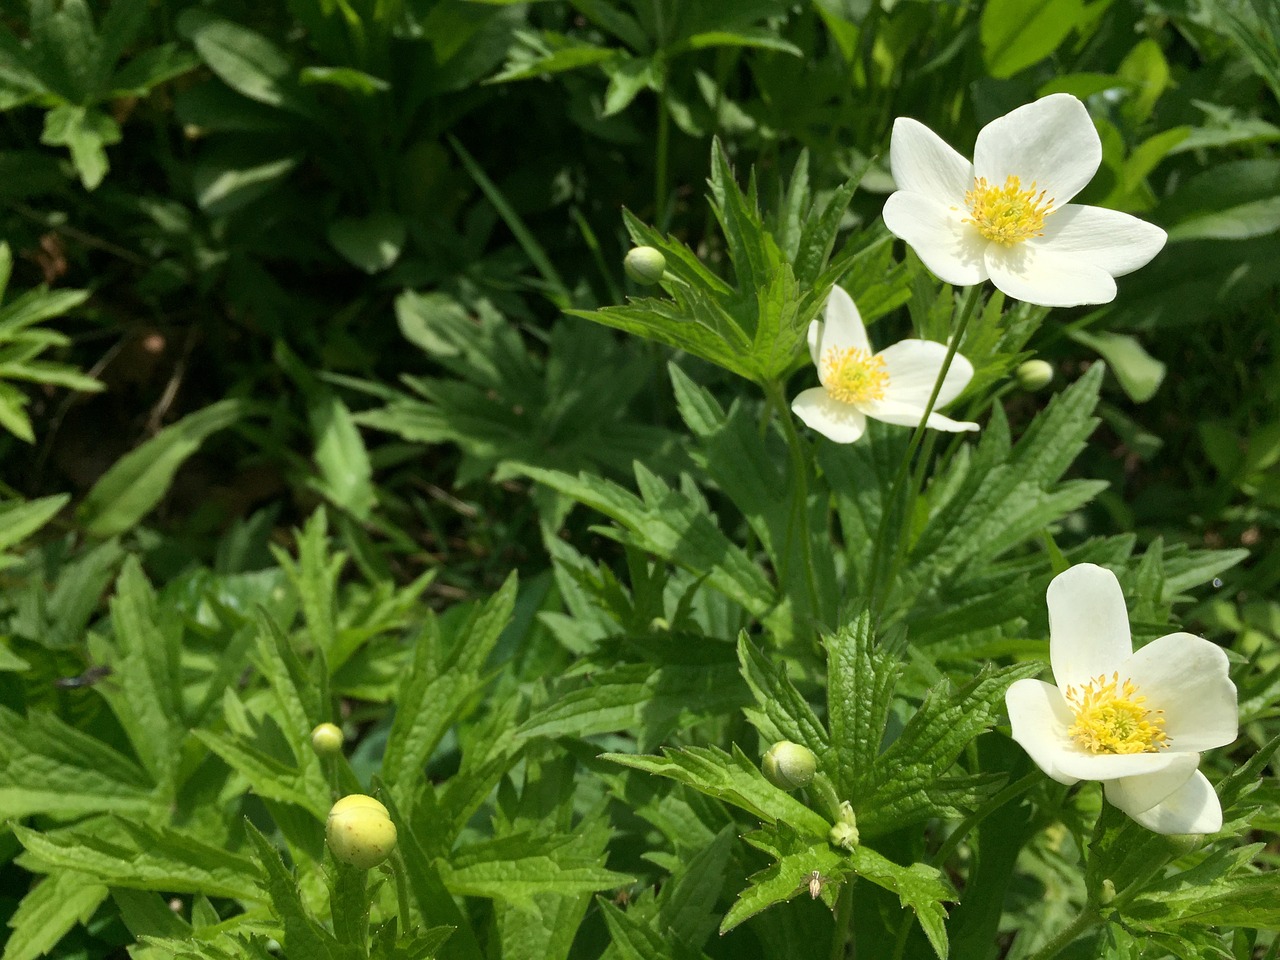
1034, 375
360, 832
645, 265
788, 765
1108, 892
326, 739
844, 833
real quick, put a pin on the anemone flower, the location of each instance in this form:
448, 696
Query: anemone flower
892, 386
1006, 216
1137, 721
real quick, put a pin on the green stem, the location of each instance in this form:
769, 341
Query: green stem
799, 523
1087, 918
878, 591
402, 893
661, 150
842, 916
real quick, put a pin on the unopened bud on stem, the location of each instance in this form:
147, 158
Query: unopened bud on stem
645, 265
360, 832
789, 766
326, 739
1034, 375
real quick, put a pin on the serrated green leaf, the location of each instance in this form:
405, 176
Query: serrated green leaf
49, 911
431, 695
729, 777
162, 860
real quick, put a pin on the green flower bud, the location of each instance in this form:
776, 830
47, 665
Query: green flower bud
645, 265
1034, 375
326, 739
843, 835
360, 832
788, 765
1107, 893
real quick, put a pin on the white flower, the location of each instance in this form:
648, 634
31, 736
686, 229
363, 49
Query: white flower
1135, 721
893, 385
1005, 217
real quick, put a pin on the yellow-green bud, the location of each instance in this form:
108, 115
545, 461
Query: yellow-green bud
360, 831
843, 835
1034, 375
326, 739
788, 765
1107, 893
645, 265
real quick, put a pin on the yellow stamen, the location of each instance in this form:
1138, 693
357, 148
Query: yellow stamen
1111, 718
1007, 214
854, 376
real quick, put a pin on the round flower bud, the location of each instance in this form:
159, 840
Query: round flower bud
326, 739
1034, 375
788, 765
1108, 892
360, 832
645, 265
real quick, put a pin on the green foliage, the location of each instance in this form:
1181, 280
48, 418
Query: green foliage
339, 455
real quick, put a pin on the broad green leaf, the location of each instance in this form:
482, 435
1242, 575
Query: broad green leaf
372, 243
346, 475
347, 78
49, 767
671, 525
136, 482
244, 60
86, 133
227, 179
781, 712
512, 870
154, 859
438, 685
921, 887
303, 936
49, 911
788, 877
1139, 373
19, 519
861, 679
1018, 33
731, 778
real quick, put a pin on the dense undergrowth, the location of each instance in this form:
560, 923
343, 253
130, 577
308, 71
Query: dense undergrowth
326, 399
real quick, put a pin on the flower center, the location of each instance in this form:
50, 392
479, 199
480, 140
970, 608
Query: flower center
1007, 214
851, 375
1111, 718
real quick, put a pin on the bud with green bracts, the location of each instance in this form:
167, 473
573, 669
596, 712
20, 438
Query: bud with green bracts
360, 832
645, 265
844, 832
789, 766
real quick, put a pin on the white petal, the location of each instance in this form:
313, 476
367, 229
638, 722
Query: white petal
922, 162
1039, 718
843, 328
841, 422
1186, 677
1106, 239
1088, 625
951, 249
1135, 795
815, 340
1077, 763
913, 367
1044, 276
1194, 808
1050, 143
909, 415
